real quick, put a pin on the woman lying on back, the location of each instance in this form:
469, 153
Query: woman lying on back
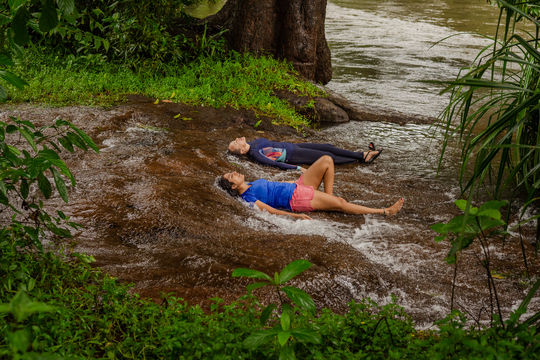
299, 196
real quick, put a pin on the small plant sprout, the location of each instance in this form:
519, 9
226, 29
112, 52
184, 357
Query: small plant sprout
284, 330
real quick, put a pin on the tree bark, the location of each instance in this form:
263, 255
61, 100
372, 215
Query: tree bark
286, 29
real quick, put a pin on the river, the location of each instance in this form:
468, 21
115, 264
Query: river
154, 216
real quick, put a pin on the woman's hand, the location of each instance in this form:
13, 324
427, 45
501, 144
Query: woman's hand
301, 216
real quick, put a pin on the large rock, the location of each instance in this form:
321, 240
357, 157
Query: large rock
318, 109
329, 112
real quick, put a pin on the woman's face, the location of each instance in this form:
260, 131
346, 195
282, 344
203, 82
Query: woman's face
235, 178
238, 144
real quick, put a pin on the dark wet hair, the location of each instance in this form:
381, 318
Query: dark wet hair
227, 186
236, 152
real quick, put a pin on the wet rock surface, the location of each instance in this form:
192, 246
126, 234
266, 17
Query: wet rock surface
154, 216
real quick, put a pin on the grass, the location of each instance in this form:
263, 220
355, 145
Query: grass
240, 81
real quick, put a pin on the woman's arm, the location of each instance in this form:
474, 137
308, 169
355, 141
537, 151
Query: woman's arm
271, 210
255, 154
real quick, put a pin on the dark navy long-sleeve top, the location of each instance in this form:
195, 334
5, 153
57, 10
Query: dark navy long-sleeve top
259, 144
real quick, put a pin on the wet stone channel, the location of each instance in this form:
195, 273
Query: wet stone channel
153, 215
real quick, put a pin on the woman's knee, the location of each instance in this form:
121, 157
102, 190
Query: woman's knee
327, 160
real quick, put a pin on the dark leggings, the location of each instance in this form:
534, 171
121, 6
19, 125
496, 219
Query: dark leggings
309, 153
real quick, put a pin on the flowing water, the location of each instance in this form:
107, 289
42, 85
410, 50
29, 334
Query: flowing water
154, 216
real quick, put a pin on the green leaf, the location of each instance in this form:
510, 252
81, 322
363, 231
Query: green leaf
14, 4
492, 223
440, 228
49, 18
266, 313
85, 137
66, 6
14, 150
306, 335
6, 60
10, 129
76, 140
494, 204
294, 268
256, 285
439, 238
3, 94
24, 188
491, 213
64, 141
44, 185
60, 185
3, 188
462, 204
287, 353
257, 124
21, 307
97, 42
13, 79
300, 297
18, 26
106, 45
286, 317
20, 339
64, 233
283, 337
28, 137
259, 337
3, 198
250, 273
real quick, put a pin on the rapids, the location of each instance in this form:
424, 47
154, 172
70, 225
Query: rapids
154, 216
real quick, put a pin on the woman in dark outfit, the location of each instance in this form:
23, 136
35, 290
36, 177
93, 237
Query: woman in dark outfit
287, 156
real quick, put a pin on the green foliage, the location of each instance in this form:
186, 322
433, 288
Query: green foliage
283, 330
134, 33
240, 81
482, 224
497, 104
15, 19
90, 315
23, 166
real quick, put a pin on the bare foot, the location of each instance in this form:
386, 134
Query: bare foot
394, 209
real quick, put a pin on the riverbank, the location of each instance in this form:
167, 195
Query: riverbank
238, 81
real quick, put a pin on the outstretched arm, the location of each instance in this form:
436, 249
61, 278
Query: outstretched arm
271, 210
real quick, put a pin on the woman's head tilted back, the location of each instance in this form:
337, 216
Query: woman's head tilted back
227, 185
238, 146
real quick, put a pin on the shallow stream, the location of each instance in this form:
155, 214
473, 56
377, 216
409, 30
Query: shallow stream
154, 216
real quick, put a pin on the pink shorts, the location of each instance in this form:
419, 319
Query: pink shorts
302, 196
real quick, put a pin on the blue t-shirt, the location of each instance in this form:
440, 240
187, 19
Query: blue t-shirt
276, 194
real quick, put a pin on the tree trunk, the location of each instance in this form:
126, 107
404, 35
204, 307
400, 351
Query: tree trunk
286, 29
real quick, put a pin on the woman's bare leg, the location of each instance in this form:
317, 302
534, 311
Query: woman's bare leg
322, 170
325, 202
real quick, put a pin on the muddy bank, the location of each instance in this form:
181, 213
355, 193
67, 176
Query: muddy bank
153, 215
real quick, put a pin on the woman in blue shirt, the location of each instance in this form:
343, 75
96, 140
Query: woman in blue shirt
288, 156
299, 196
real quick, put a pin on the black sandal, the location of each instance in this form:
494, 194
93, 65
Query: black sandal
374, 156
371, 146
